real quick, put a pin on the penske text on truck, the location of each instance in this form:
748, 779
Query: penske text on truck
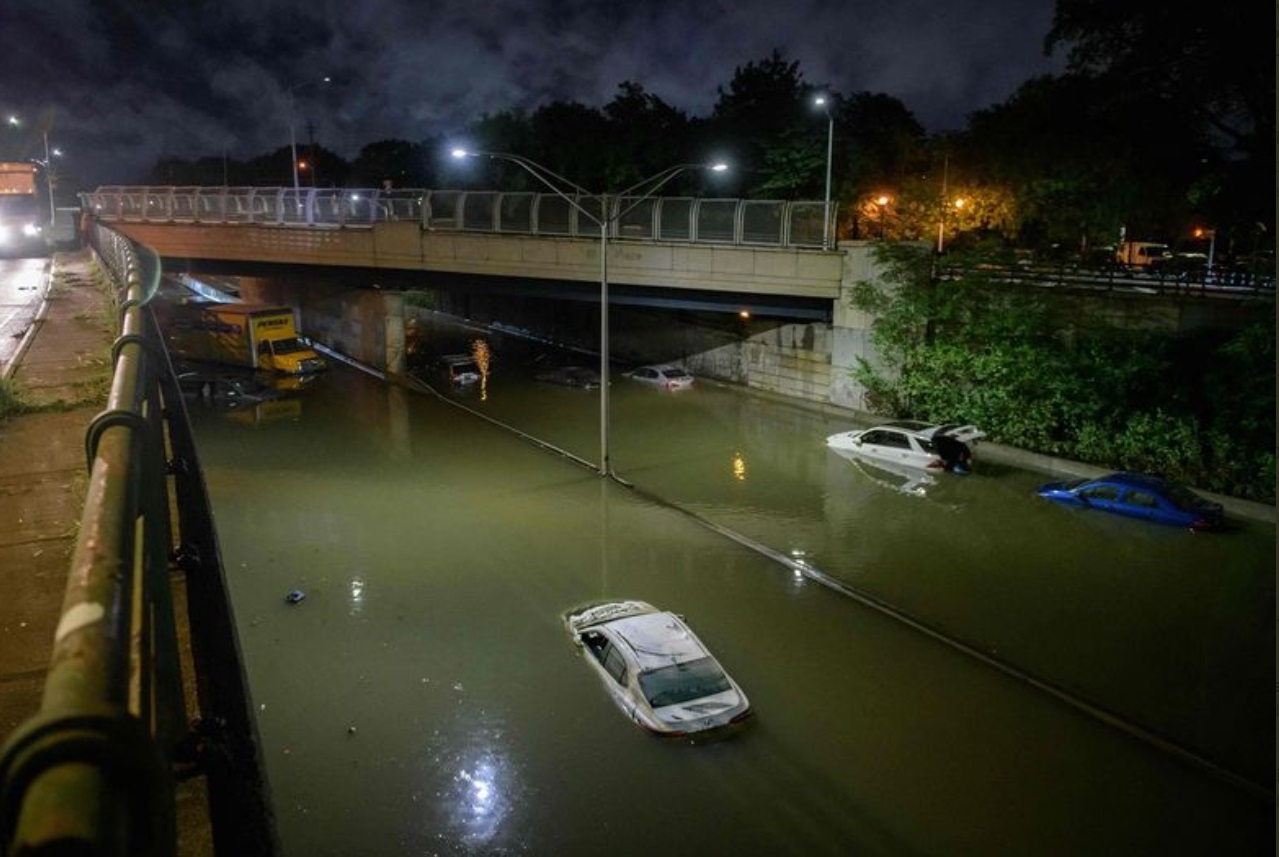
248, 335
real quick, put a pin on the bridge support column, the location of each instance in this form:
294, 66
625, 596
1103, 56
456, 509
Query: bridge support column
365, 324
851, 329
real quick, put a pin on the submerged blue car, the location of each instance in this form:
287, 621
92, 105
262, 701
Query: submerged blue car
1138, 495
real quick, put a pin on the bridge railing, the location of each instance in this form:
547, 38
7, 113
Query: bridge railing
96, 769
770, 223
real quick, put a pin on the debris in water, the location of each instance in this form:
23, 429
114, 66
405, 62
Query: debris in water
295, 596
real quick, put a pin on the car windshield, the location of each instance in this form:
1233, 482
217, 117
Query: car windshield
17, 205
678, 683
287, 346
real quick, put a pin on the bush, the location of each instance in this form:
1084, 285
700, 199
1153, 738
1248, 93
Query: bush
1198, 409
11, 400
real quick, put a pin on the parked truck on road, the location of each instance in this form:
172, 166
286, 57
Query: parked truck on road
21, 221
248, 335
1141, 254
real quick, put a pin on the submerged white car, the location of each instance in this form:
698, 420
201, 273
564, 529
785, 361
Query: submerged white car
656, 669
913, 444
666, 376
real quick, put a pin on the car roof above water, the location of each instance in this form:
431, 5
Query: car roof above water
658, 639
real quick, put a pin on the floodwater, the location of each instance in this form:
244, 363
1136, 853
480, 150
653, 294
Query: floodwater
424, 698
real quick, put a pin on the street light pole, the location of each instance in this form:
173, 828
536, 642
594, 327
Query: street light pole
556, 183
941, 220
48, 175
293, 136
821, 101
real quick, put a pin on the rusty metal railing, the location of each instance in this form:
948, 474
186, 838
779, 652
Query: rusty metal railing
94, 772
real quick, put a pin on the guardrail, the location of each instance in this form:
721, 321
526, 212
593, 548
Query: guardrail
1203, 283
775, 223
94, 771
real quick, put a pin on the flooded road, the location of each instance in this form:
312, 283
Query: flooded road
22, 286
425, 699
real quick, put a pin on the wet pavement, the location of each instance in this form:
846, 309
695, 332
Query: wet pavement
42, 471
58, 354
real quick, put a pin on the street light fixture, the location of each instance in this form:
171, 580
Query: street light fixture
822, 101
293, 137
557, 184
48, 175
1211, 235
881, 205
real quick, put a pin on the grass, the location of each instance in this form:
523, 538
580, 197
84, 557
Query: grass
94, 388
12, 400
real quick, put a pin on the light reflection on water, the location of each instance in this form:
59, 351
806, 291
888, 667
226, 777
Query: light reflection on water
425, 698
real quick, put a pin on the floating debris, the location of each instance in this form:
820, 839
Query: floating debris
295, 596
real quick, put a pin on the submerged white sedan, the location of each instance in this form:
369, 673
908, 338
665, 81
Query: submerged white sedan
664, 376
925, 446
656, 669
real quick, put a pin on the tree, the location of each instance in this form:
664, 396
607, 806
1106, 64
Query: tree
645, 135
1039, 373
400, 162
764, 106
1206, 77
1207, 66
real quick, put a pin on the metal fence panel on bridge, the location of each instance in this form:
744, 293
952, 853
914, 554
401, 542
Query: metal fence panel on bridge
769, 223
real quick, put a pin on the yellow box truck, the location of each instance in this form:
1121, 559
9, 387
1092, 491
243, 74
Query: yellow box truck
250, 335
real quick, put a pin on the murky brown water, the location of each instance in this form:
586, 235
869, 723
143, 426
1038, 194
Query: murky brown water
425, 699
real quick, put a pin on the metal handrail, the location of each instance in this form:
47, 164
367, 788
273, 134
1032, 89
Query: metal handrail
93, 772
767, 223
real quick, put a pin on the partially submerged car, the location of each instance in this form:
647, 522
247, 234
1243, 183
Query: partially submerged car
911, 443
665, 376
459, 369
581, 377
656, 669
1138, 495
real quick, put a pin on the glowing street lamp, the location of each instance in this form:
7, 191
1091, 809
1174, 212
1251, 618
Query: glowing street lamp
881, 207
1211, 235
822, 101
561, 187
293, 137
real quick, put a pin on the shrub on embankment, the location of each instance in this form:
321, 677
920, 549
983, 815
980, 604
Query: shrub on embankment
1050, 376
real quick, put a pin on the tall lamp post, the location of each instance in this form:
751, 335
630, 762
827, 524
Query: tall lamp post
822, 101
293, 137
47, 163
48, 175
558, 185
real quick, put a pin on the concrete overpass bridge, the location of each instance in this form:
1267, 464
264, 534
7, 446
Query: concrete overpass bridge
760, 259
763, 259
731, 246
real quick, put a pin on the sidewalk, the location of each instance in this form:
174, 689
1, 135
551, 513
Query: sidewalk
65, 367
43, 475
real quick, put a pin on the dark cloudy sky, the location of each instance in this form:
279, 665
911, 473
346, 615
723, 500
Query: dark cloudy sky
121, 82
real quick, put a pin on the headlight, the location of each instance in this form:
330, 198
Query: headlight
30, 230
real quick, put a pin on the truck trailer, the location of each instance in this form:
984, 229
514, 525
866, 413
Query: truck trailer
248, 335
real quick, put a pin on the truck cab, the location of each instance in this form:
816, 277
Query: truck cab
288, 355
